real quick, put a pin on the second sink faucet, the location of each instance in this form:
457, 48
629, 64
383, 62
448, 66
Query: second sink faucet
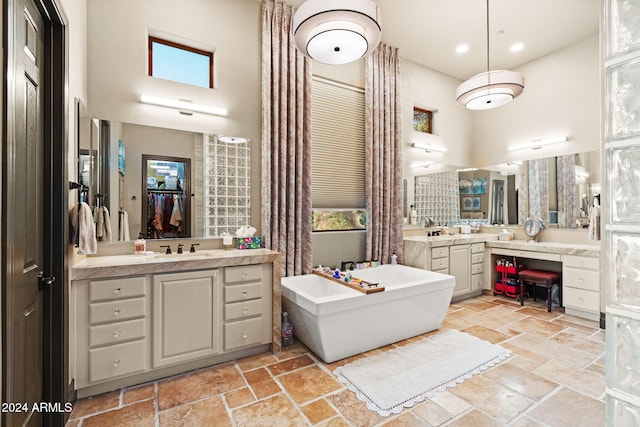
350, 264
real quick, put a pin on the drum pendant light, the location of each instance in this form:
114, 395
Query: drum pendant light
491, 89
337, 31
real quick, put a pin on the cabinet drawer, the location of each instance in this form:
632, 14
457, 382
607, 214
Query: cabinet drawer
440, 252
439, 264
116, 360
102, 312
242, 333
238, 310
242, 292
581, 262
243, 273
100, 290
581, 299
477, 281
477, 258
477, 268
477, 248
114, 333
582, 279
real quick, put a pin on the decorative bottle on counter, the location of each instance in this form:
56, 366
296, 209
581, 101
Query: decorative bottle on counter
287, 330
140, 245
394, 258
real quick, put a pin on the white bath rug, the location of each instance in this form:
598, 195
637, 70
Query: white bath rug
401, 377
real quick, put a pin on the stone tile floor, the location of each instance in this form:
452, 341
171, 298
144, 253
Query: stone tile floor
554, 378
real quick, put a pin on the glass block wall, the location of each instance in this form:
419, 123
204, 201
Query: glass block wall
227, 186
436, 196
622, 209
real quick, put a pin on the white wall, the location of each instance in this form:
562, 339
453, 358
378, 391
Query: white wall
561, 98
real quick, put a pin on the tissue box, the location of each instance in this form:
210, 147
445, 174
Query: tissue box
248, 242
506, 236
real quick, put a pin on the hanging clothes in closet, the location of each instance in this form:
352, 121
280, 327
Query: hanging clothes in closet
165, 215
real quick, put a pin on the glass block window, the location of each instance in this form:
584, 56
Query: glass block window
227, 185
436, 197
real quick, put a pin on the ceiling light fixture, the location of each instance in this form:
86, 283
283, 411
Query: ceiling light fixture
536, 144
517, 47
337, 31
428, 147
232, 139
490, 89
463, 48
184, 106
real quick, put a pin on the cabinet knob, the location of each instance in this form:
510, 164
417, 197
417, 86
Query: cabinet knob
116, 312
245, 310
116, 363
117, 334
244, 294
243, 275
244, 335
116, 291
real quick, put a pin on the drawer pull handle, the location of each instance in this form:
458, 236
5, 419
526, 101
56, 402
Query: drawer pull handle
116, 291
116, 363
117, 334
244, 335
116, 312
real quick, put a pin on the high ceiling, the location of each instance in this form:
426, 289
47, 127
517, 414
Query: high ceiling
428, 31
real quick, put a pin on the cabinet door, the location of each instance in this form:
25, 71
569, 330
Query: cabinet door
460, 267
187, 316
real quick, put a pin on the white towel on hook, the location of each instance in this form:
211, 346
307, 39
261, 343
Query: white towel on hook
106, 223
123, 227
87, 243
594, 223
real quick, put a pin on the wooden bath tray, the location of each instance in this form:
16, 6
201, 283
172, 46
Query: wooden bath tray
368, 288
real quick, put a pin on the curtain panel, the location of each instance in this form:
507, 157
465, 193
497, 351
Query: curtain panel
383, 154
286, 142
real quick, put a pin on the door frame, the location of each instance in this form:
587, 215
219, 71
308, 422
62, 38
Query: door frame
56, 387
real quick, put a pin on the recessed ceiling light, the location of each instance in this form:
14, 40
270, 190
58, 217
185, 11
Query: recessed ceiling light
462, 48
517, 47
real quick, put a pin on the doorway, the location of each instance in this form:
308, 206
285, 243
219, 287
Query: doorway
33, 215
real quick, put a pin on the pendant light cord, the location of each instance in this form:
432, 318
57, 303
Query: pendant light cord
488, 36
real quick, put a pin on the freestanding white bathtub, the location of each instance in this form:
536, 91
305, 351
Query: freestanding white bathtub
335, 321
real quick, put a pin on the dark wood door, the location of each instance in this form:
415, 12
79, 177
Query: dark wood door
23, 213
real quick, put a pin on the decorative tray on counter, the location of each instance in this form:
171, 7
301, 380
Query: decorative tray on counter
355, 283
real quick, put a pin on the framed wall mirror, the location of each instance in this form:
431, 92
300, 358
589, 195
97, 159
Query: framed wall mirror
166, 205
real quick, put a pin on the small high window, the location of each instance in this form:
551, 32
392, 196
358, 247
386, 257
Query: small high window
180, 63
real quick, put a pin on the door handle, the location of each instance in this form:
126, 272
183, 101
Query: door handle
44, 281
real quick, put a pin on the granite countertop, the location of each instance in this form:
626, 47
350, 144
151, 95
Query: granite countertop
455, 239
548, 247
128, 265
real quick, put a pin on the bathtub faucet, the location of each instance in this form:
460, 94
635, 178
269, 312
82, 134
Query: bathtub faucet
350, 264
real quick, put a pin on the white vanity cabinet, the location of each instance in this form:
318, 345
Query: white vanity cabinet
581, 286
113, 328
466, 263
460, 267
187, 322
169, 318
247, 306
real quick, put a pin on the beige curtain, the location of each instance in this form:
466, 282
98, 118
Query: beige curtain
383, 154
286, 142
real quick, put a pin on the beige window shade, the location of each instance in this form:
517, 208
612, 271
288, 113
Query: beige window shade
337, 139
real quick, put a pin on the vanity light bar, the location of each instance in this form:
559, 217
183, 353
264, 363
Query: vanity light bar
467, 170
421, 165
183, 105
538, 143
429, 147
233, 139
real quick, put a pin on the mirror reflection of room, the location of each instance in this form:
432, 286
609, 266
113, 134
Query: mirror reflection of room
166, 204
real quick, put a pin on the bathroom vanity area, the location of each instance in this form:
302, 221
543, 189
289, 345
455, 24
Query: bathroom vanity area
136, 318
471, 258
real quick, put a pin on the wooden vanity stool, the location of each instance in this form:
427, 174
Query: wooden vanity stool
539, 278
